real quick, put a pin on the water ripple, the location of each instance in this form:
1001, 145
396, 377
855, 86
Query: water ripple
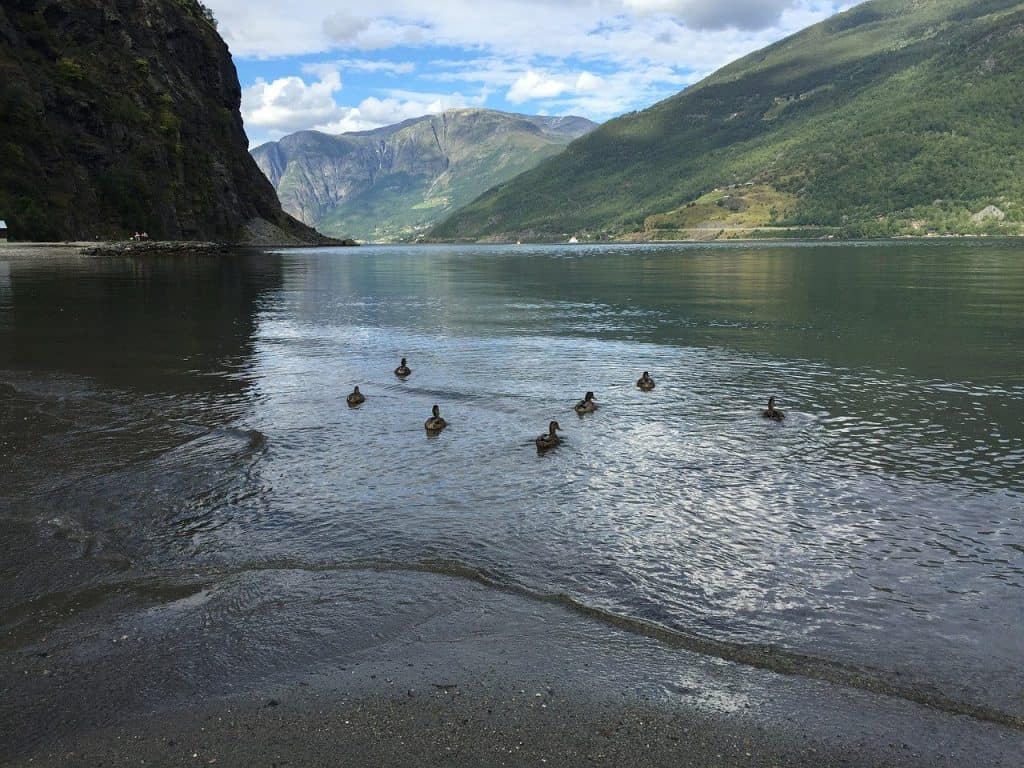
880, 525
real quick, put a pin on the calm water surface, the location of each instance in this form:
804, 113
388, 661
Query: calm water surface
184, 417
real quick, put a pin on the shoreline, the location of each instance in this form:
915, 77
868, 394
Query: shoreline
366, 667
102, 249
795, 238
91, 250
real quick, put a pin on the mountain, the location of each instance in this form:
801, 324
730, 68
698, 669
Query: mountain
124, 116
392, 182
895, 117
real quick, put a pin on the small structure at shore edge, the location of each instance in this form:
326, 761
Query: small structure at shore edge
3, 231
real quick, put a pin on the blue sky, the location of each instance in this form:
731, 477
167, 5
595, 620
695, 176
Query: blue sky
340, 66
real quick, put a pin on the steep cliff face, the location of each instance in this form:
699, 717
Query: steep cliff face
123, 115
393, 182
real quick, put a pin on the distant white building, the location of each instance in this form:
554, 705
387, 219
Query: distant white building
3, 231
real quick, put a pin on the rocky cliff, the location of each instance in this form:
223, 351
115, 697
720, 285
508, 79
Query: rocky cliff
123, 115
393, 182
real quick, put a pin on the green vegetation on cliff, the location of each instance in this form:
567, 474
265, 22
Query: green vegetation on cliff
391, 183
896, 117
119, 117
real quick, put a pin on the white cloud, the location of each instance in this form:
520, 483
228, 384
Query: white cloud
620, 92
533, 85
592, 57
598, 96
611, 30
404, 106
343, 27
372, 65
388, 33
290, 103
570, 88
714, 14
588, 83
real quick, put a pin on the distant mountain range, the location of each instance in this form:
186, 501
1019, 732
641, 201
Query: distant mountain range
895, 117
392, 183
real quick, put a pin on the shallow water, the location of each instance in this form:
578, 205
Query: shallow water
186, 418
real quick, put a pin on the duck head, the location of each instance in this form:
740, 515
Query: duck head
771, 403
553, 427
436, 411
589, 396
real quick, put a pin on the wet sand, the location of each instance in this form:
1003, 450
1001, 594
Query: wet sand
435, 670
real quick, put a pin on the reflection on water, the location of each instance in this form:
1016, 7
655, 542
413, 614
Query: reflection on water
190, 417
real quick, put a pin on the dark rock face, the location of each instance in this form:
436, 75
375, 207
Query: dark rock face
123, 115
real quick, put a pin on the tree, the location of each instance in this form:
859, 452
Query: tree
208, 15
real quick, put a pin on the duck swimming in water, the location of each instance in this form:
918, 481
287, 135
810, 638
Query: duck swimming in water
402, 370
356, 398
771, 412
586, 405
645, 383
435, 423
550, 439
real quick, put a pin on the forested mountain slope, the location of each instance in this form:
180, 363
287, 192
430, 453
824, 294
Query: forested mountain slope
898, 116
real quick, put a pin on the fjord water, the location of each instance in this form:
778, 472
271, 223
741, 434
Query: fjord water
168, 420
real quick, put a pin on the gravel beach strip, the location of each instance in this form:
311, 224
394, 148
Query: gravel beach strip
434, 671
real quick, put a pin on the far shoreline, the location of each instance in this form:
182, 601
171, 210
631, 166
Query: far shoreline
111, 248
155, 248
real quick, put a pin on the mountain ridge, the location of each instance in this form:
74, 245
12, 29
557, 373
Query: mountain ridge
895, 117
391, 182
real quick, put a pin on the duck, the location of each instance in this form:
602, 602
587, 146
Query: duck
771, 412
402, 370
586, 405
550, 439
645, 383
356, 398
435, 423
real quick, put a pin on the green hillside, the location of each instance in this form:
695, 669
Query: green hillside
394, 182
896, 117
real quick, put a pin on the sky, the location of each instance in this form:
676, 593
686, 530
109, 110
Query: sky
338, 66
